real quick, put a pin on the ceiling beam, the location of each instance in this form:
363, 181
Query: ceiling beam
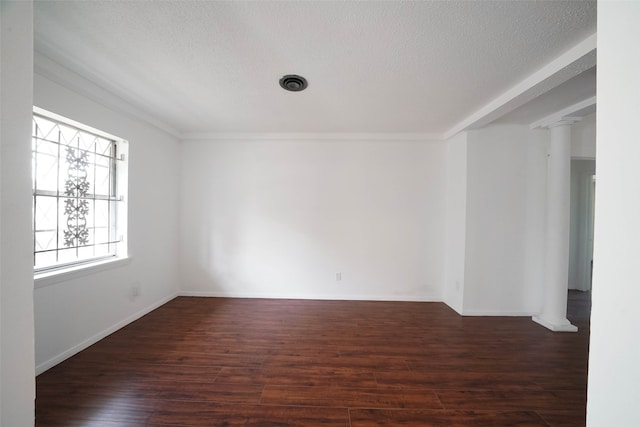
579, 109
574, 61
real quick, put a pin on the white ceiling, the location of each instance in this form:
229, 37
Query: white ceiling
386, 66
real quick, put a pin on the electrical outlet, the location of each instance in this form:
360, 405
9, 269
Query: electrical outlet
134, 290
338, 277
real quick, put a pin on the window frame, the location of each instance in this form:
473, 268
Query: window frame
65, 271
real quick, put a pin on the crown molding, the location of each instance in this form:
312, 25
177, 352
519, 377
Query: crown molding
309, 136
571, 63
52, 70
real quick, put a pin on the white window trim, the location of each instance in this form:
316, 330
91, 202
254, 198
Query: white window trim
64, 273
52, 277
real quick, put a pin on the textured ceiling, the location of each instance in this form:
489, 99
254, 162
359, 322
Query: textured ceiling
419, 67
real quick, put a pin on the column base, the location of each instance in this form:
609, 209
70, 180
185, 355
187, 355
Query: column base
562, 326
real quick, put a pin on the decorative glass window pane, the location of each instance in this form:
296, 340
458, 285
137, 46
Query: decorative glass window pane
75, 199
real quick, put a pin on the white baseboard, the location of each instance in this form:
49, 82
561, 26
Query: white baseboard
562, 326
497, 313
217, 294
97, 337
452, 307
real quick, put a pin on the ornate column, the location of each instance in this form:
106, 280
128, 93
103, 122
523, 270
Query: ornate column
556, 267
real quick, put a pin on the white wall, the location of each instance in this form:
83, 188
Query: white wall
583, 138
73, 314
614, 371
280, 218
456, 219
17, 386
496, 196
504, 220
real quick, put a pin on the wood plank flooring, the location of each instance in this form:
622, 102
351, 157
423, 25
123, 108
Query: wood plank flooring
274, 363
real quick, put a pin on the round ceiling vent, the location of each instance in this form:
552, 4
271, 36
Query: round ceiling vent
293, 83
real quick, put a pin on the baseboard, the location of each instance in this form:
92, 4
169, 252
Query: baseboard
399, 298
452, 307
497, 313
94, 339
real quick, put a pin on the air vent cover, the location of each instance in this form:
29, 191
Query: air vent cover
293, 83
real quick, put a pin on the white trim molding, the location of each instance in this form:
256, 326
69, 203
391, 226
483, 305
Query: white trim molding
57, 73
313, 136
573, 113
398, 298
97, 337
555, 327
79, 270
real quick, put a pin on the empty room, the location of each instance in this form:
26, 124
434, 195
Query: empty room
319, 213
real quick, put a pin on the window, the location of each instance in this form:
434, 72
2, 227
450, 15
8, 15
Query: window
79, 179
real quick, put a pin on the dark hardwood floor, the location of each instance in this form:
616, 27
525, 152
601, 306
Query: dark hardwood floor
268, 363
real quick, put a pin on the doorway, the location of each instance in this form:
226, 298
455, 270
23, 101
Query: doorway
581, 223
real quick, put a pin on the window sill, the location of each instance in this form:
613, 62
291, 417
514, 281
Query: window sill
51, 277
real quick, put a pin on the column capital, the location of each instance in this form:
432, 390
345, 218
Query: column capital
565, 121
